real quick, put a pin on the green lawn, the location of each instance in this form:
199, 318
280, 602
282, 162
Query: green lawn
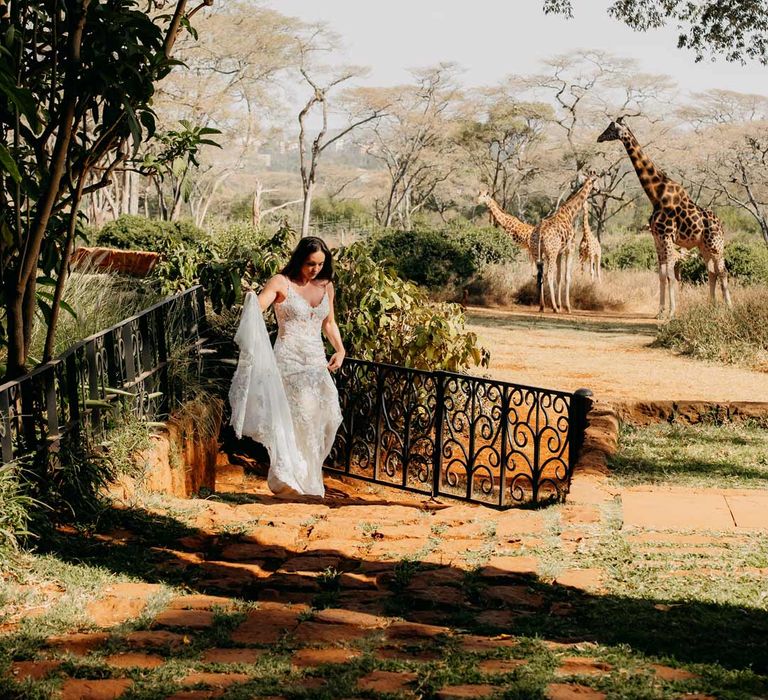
732, 455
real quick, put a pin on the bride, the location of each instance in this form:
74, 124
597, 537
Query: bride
285, 398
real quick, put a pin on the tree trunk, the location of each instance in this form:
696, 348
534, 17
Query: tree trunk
256, 206
66, 255
306, 210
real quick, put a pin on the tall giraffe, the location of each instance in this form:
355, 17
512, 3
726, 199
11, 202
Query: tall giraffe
518, 230
676, 220
590, 250
552, 243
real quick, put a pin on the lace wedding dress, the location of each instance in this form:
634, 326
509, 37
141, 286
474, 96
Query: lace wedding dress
285, 399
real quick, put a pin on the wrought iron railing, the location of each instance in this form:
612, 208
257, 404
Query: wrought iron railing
446, 434
71, 400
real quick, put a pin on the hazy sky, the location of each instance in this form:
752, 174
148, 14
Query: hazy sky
493, 38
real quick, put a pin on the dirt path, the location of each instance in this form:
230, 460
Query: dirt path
609, 354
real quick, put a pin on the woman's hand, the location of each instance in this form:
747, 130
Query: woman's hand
336, 360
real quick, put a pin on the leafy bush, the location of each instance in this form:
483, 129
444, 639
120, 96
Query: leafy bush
424, 257
342, 210
747, 262
439, 258
222, 261
637, 252
138, 233
386, 319
734, 336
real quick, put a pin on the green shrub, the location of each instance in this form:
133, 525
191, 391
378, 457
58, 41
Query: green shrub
427, 258
439, 258
138, 233
636, 252
387, 319
342, 210
747, 262
734, 336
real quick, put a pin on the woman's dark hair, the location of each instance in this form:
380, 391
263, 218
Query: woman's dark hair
305, 248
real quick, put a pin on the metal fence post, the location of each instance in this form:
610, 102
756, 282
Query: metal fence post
581, 403
437, 456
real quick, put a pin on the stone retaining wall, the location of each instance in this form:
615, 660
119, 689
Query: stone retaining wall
690, 412
182, 458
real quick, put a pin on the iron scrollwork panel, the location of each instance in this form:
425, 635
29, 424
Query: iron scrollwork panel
473, 453
354, 450
407, 439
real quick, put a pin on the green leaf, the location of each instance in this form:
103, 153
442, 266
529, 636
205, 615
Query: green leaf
9, 164
45, 309
65, 305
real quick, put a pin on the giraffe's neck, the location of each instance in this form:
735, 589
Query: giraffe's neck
518, 230
571, 207
587, 231
649, 175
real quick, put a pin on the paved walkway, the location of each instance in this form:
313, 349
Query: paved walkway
404, 597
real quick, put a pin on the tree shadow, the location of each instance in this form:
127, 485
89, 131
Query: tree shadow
561, 323
640, 469
482, 602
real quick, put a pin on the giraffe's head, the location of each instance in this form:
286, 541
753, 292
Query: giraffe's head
590, 176
484, 197
616, 130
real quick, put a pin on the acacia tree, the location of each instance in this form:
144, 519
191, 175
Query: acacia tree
231, 81
415, 141
309, 154
588, 89
500, 139
76, 82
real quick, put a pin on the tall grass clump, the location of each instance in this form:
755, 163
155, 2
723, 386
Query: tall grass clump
15, 507
94, 302
733, 336
620, 289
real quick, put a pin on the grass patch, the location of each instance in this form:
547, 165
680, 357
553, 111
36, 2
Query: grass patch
736, 336
732, 455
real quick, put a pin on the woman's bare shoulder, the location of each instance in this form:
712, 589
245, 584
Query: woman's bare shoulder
278, 281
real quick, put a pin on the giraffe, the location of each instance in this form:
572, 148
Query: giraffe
590, 251
552, 243
675, 221
519, 231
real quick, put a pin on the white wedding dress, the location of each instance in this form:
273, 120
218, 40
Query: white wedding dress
285, 398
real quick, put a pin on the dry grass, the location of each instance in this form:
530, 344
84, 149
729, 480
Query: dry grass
620, 290
734, 336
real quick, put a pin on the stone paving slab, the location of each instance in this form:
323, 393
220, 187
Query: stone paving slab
676, 509
749, 511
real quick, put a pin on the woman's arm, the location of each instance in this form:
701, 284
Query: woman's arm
331, 330
274, 290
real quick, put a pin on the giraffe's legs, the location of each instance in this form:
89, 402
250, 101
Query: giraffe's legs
662, 288
667, 268
722, 275
559, 282
551, 285
711, 278
567, 262
598, 259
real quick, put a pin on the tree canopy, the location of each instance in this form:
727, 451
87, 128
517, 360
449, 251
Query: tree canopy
737, 29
